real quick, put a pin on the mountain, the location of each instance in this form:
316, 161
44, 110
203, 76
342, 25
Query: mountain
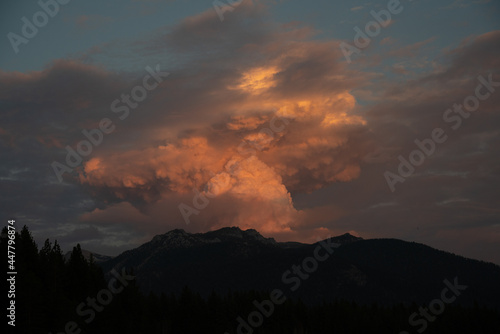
385, 271
98, 258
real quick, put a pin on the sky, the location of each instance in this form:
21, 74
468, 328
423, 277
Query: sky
121, 120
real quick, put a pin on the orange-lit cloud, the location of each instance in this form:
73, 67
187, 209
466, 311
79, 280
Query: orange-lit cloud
269, 128
257, 80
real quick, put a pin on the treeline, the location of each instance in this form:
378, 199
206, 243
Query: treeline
74, 296
49, 289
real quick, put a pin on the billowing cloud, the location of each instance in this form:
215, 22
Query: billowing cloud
276, 124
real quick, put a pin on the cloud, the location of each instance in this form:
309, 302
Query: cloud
387, 41
93, 21
408, 51
479, 53
262, 127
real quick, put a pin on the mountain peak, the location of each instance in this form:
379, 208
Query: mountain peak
179, 238
179, 231
349, 235
229, 231
346, 238
226, 233
175, 238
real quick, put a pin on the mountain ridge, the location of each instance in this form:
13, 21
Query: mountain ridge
386, 271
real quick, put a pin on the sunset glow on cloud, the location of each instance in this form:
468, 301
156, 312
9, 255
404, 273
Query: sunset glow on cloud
271, 136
